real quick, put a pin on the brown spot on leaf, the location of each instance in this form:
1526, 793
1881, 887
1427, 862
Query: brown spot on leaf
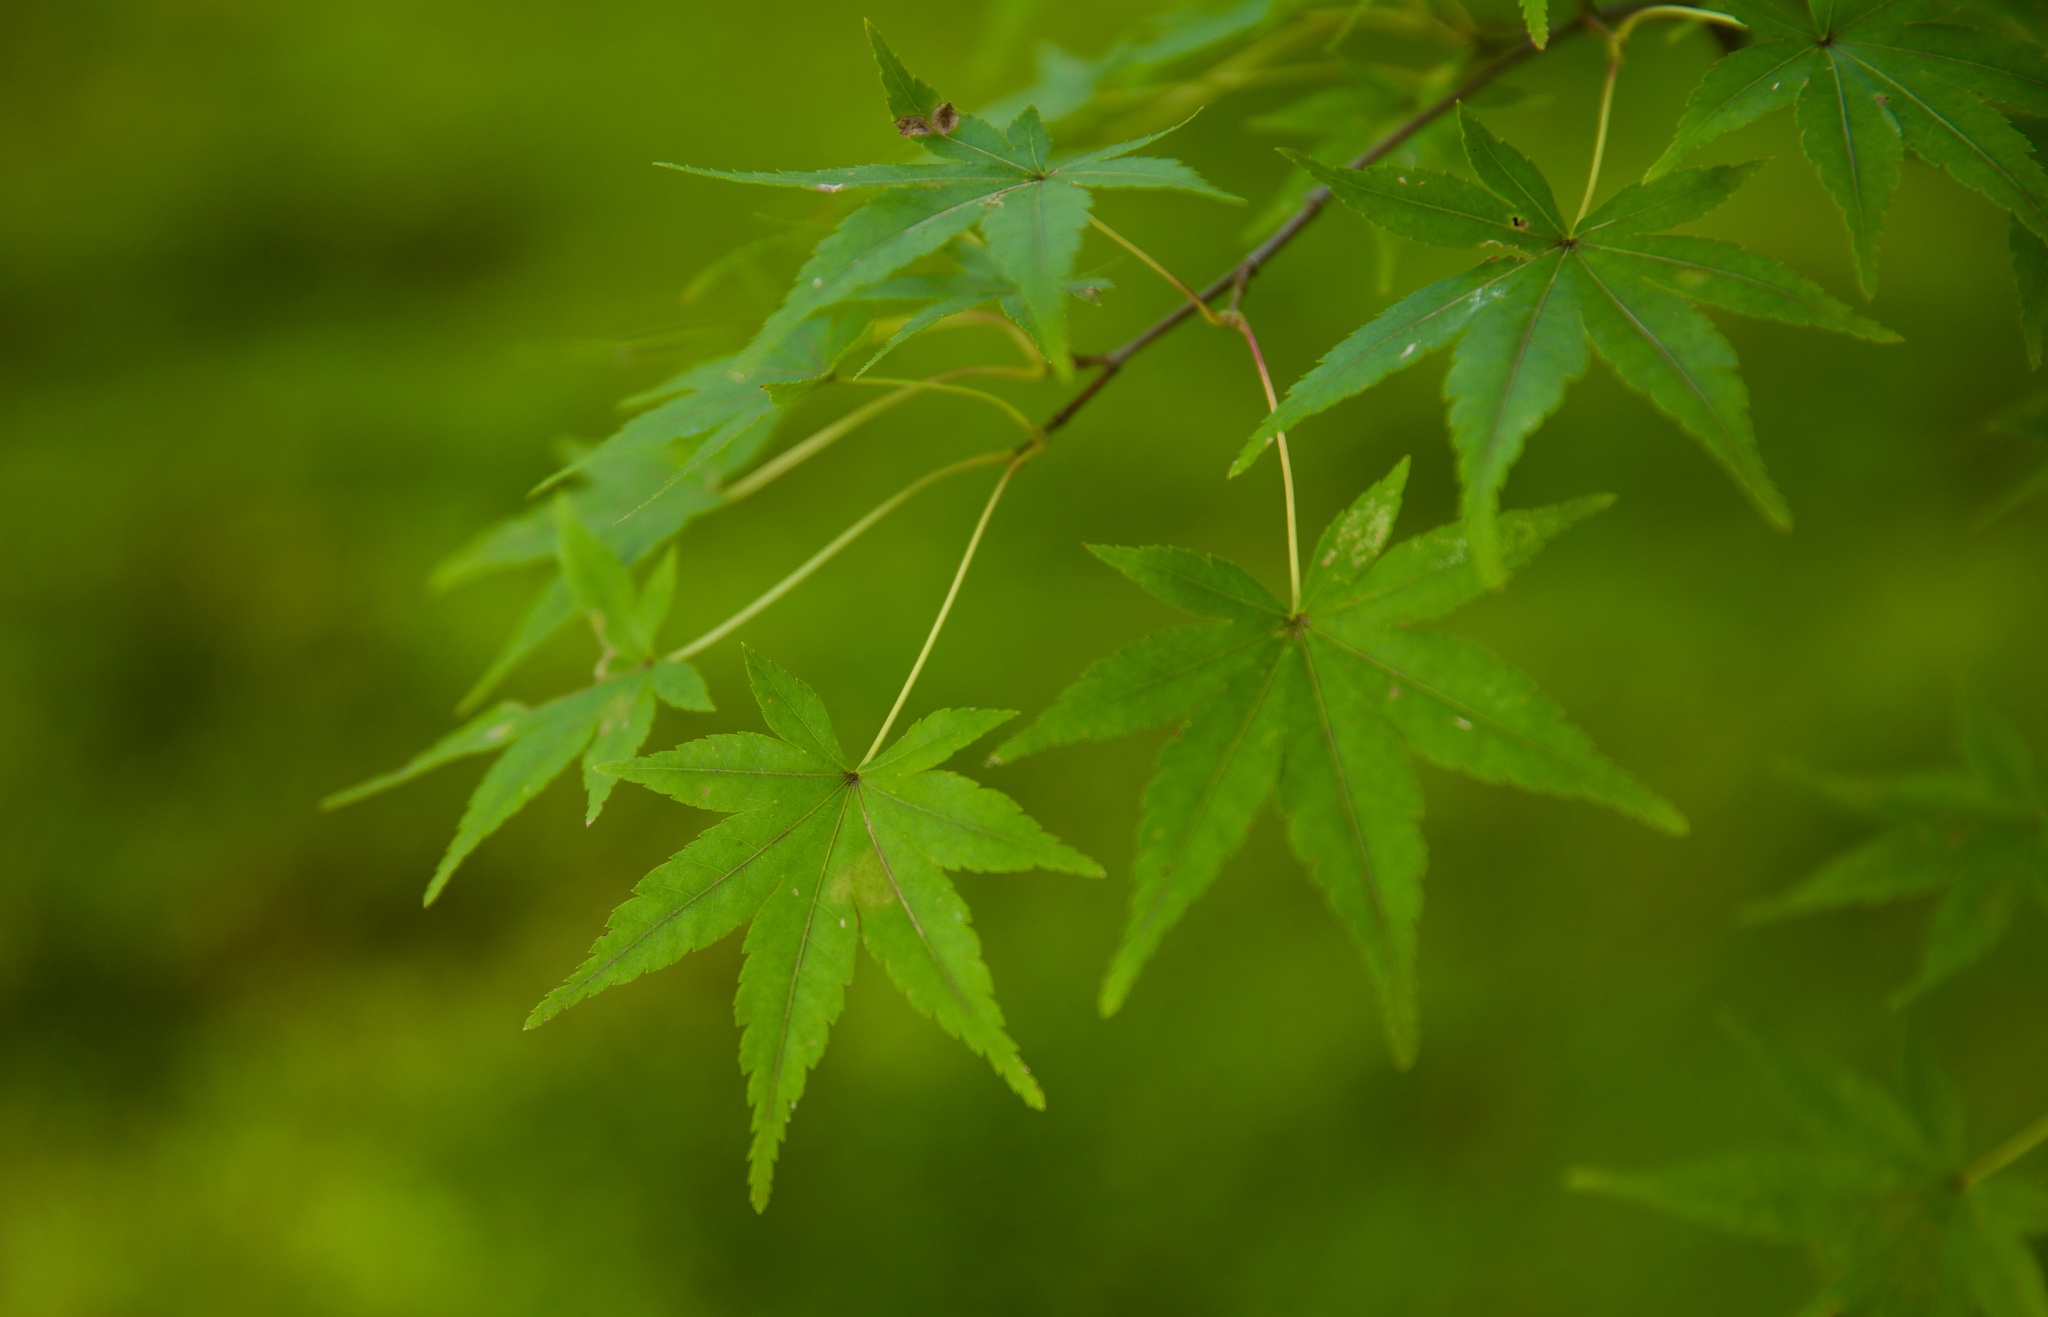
942, 121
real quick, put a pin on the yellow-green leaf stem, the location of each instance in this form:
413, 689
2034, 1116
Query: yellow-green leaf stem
940, 384
1617, 38
902, 391
1233, 319
831, 550
1251, 340
988, 510
1202, 308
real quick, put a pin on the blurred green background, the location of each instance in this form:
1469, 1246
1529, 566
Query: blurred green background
294, 298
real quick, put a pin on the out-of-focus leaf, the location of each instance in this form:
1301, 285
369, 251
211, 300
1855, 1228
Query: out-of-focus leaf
1879, 1192
1978, 835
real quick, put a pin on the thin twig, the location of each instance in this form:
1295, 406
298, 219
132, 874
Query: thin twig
1110, 363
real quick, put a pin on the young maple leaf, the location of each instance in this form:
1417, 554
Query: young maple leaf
1977, 834
1327, 704
820, 854
1031, 205
1879, 1189
1870, 78
602, 722
1521, 320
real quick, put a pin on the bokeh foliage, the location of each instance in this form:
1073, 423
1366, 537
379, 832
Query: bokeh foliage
293, 299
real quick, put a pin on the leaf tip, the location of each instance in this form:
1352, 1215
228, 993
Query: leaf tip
1248, 455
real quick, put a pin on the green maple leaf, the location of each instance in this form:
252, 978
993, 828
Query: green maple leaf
1536, 13
602, 722
1869, 79
1325, 705
1977, 835
1878, 1188
1521, 321
821, 854
1031, 206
